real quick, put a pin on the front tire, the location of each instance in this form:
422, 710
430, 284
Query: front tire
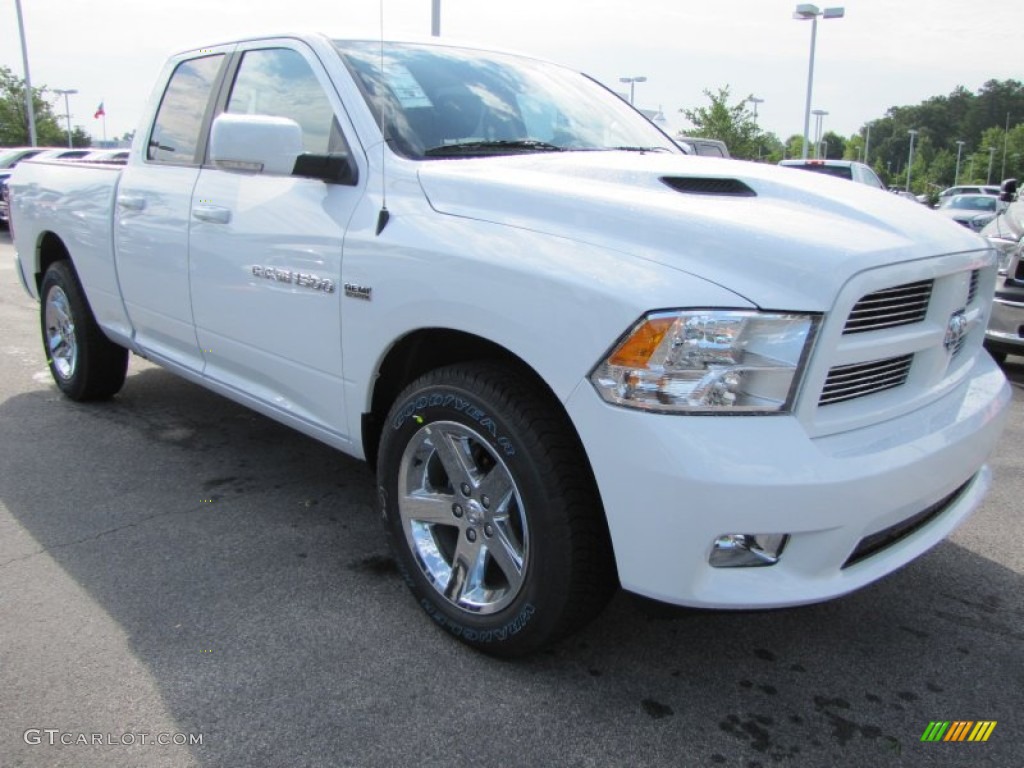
84, 363
492, 509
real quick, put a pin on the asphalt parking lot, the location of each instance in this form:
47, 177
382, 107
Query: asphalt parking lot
176, 568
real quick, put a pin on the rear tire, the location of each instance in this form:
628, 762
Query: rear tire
492, 510
84, 363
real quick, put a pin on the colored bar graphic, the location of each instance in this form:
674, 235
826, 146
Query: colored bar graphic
935, 730
958, 730
982, 730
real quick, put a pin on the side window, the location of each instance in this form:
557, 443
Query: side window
872, 179
179, 120
279, 82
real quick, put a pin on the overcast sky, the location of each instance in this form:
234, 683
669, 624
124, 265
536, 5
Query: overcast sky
883, 53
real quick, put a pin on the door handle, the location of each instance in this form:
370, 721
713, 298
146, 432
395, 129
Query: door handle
131, 202
212, 213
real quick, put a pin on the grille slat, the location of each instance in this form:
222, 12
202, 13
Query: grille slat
890, 307
972, 289
847, 382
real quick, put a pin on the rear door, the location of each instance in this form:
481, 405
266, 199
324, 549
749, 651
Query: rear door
266, 249
153, 210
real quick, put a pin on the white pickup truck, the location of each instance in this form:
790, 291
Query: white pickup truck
577, 357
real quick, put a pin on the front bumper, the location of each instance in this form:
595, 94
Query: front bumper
672, 485
1005, 332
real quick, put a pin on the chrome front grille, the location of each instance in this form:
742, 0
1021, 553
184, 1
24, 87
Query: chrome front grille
902, 305
898, 337
846, 382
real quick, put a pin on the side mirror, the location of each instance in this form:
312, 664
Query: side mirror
255, 143
273, 145
1009, 190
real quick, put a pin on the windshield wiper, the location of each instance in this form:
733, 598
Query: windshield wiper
636, 149
481, 148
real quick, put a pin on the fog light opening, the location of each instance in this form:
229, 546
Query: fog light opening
747, 550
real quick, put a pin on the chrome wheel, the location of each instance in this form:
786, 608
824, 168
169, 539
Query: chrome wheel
61, 342
463, 517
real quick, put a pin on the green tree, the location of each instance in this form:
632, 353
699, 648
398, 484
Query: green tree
794, 147
732, 123
833, 146
14, 120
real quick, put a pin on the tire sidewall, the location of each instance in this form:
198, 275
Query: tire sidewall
57, 277
535, 610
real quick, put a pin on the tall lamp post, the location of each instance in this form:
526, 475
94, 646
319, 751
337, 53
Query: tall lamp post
632, 84
755, 101
819, 115
67, 108
30, 109
991, 155
959, 150
910, 158
435, 18
803, 12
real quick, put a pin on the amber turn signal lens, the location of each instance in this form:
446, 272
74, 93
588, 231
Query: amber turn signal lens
641, 344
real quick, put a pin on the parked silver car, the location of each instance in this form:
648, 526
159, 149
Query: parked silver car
1005, 334
971, 211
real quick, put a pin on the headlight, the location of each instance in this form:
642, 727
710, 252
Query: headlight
708, 361
979, 222
1005, 248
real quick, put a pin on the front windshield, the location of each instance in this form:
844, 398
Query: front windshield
436, 101
9, 159
973, 202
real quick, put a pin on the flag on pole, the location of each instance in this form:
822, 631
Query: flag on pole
99, 112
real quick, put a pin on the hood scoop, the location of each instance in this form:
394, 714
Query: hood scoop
695, 185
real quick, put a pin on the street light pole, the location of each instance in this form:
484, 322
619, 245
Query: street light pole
30, 108
803, 12
991, 157
632, 84
755, 101
67, 108
959, 149
1006, 137
910, 158
867, 145
819, 115
435, 18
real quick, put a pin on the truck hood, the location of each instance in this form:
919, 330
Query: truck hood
782, 238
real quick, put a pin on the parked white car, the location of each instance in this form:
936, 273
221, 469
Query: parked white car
841, 169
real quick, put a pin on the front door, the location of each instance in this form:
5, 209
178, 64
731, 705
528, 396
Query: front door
266, 250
